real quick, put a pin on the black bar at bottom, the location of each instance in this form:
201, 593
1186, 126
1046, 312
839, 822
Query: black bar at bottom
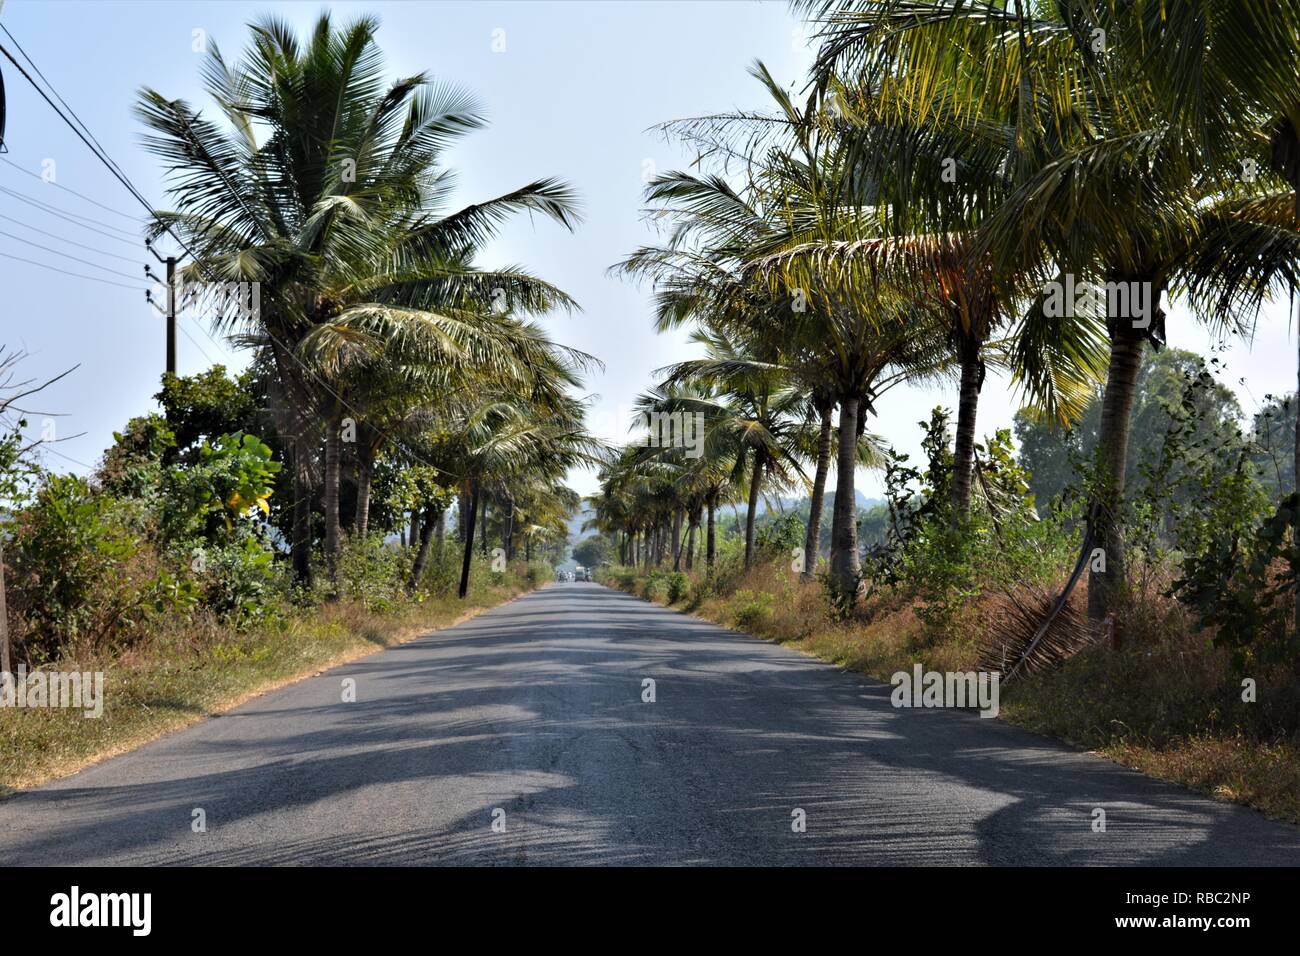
309, 904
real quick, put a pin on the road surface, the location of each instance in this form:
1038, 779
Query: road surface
531, 717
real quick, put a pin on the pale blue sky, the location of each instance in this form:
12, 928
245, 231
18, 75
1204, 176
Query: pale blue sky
572, 96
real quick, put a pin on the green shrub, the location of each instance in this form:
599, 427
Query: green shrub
679, 585
538, 572
231, 479
372, 573
751, 610
656, 587
77, 570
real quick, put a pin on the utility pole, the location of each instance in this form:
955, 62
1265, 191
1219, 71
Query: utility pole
171, 314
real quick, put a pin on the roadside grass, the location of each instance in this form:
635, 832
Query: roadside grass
191, 669
1169, 705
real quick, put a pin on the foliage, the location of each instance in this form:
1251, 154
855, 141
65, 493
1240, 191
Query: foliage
592, 552
372, 573
1053, 456
238, 582
751, 610
781, 535
230, 482
133, 466
205, 406
75, 570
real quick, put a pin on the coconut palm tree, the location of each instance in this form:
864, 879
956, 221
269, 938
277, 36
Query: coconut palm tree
755, 411
325, 187
1121, 173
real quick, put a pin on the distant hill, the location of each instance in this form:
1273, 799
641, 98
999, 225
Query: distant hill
790, 504
576, 523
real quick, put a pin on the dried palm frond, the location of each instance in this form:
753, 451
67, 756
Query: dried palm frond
1033, 630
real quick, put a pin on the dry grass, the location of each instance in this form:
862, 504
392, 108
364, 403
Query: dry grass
1241, 770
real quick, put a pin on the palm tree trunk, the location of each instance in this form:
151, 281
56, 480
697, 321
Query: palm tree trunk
812, 539
365, 476
1284, 152
422, 555
711, 541
1296, 472
440, 532
508, 528
462, 513
755, 486
300, 545
691, 530
333, 462
1105, 588
483, 535
677, 540
469, 543
963, 469
845, 568
292, 402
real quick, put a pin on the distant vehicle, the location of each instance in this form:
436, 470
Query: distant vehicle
584, 574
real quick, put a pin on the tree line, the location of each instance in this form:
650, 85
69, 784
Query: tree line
961, 188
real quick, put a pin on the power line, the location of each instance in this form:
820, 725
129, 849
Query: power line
66, 189
195, 342
71, 242
45, 447
112, 167
52, 212
102, 157
33, 65
67, 214
84, 262
78, 275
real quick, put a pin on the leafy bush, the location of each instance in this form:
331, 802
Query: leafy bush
679, 585
75, 573
656, 587
751, 610
239, 581
371, 573
229, 480
776, 539
539, 572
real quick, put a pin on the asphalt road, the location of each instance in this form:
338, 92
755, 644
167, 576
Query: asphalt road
535, 709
